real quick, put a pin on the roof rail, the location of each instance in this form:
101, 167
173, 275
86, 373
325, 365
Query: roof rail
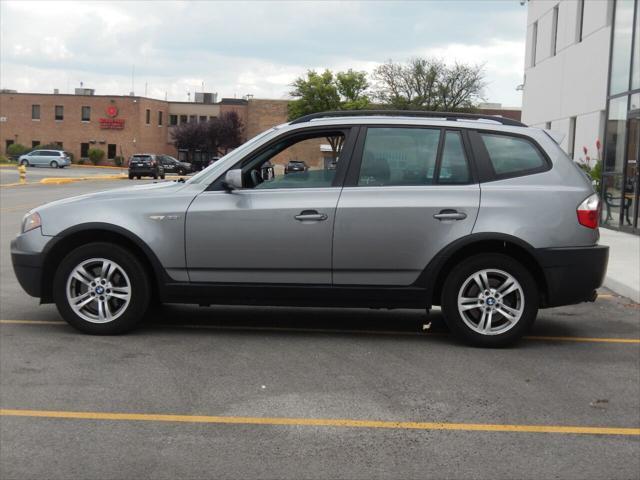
409, 113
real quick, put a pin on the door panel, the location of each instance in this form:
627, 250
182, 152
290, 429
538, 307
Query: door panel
253, 236
388, 235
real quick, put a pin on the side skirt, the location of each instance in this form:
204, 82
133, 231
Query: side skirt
295, 295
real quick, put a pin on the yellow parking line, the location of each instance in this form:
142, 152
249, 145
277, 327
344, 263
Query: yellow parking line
17, 207
548, 338
583, 339
322, 422
31, 322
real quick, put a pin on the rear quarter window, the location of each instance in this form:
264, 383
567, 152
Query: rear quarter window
512, 156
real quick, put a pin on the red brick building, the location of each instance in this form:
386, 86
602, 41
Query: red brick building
124, 125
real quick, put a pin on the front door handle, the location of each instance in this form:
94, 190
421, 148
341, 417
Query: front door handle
450, 215
310, 215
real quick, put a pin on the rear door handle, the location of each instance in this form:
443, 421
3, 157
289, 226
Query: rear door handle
310, 215
450, 215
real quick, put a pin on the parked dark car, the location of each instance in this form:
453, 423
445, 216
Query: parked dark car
171, 165
296, 166
145, 165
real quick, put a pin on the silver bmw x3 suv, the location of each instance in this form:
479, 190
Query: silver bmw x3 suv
483, 216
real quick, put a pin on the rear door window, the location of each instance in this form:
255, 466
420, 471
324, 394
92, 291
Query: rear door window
399, 156
512, 156
454, 168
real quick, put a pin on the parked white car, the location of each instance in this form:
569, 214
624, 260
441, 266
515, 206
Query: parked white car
49, 158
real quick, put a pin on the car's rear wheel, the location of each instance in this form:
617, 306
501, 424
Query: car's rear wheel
25, 163
53, 164
130, 176
490, 300
101, 289
138, 177
162, 176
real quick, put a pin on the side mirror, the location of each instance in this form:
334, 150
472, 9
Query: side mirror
232, 180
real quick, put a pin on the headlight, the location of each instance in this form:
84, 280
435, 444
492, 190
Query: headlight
31, 220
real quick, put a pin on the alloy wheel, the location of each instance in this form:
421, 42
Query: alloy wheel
98, 290
491, 302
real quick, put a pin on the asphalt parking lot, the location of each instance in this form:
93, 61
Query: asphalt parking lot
239, 392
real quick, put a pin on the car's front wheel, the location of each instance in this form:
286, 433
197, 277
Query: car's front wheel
24, 162
53, 164
101, 289
490, 300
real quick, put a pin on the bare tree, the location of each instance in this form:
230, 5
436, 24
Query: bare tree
429, 84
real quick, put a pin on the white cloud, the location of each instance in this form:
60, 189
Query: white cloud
247, 47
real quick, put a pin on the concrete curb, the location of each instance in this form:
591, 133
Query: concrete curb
623, 271
622, 289
75, 165
63, 180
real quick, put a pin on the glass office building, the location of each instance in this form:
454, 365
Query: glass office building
620, 185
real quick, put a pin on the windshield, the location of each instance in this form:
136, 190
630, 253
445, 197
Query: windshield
221, 164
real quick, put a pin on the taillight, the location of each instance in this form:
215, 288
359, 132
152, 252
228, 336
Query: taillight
589, 211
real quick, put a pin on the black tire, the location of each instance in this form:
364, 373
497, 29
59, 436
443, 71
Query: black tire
25, 163
455, 282
54, 164
131, 176
181, 171
155, 176
139, 285
138, 177
162, 176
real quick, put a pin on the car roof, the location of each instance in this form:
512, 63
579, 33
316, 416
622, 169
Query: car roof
404, 114
407, 117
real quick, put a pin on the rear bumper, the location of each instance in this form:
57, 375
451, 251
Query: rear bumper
572, 274
143, 171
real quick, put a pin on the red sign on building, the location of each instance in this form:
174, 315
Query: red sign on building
112, 123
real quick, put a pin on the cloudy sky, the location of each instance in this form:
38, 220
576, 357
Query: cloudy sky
239, 48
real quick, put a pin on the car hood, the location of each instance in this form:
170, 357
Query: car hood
136, 191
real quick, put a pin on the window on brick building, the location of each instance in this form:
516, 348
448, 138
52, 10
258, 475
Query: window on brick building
35, 143
84, 150
59, 112
173, 120
86, 114
35, 112
7, 144
183, 119
111, 151
148, 116
160, 119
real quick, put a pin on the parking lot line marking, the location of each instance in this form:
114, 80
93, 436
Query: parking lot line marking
17, 207
321, 422
548, 338
31, 322
582, 339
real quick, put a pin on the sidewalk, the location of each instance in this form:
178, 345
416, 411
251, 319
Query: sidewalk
623, 273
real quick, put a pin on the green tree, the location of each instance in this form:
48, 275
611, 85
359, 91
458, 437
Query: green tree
321, 92
96, 155
326, 92
429, 84
16, 149
352, 87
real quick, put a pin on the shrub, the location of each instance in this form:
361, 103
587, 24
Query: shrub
118, 161
81, 161
16, 149
96, 155
4, 159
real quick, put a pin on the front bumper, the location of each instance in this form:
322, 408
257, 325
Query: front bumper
28, 268
572, 274
28, 251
